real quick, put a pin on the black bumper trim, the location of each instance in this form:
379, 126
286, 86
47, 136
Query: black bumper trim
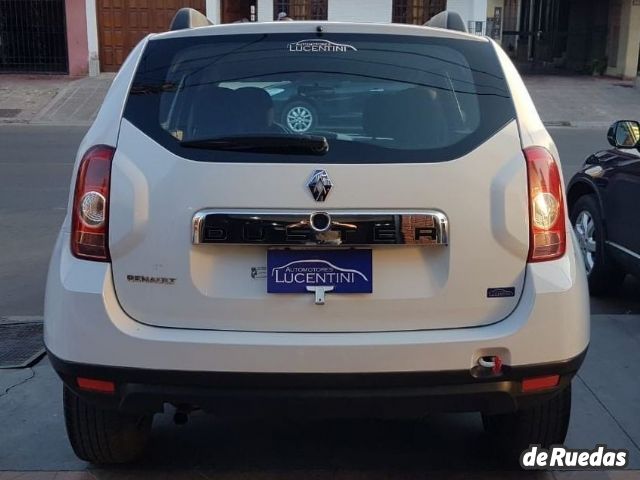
147, 390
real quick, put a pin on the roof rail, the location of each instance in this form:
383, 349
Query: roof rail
188, 18
449, 20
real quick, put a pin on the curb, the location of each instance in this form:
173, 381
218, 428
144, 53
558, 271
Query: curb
9, 319
59, 124
577, 124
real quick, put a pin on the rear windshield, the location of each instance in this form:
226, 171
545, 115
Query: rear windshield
375, 98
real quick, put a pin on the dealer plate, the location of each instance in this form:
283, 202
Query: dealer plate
292, 271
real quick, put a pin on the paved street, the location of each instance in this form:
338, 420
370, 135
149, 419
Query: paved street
35, 167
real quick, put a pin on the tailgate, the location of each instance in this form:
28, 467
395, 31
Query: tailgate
220, 286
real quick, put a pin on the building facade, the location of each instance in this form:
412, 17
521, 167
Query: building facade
115, 26
82, 37
43, 36
585, 36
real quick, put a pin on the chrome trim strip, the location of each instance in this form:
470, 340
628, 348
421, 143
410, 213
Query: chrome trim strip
348, 227
624, 249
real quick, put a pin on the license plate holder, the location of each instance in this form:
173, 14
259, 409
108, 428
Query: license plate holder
292, 271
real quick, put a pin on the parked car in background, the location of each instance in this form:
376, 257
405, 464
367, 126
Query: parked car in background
332, 104
604, 198
335, 103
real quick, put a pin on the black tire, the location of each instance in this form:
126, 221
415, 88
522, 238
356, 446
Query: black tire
544, 424
104, 436
604, 276
304, 106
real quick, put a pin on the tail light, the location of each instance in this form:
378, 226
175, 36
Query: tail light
90, 216
548, 236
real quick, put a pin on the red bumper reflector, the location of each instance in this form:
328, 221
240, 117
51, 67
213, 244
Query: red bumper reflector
540, 383
100, 386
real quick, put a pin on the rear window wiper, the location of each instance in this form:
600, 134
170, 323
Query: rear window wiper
275, 143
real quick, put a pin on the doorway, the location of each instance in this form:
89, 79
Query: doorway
121, 25
238, 11
541, 39
33, 36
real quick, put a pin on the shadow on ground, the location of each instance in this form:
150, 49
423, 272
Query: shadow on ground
625, 301
439, 442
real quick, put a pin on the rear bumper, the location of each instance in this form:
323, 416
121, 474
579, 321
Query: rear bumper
85, 324
357, 394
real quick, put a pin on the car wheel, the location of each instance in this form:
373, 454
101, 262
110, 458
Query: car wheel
299, 117
602, 273
544, 424
104, 436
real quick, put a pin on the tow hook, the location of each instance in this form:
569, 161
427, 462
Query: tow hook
488, 366
494, 363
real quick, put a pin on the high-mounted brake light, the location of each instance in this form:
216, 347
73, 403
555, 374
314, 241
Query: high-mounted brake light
548, 236
91, 205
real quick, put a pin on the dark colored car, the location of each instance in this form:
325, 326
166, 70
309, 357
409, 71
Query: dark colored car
301, 108
603, 200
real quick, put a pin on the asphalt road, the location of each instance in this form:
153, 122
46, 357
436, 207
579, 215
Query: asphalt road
35, 171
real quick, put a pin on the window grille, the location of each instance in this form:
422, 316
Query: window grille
416, 11
301, 9
33, 36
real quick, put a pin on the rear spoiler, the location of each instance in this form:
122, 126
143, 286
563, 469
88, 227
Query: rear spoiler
449, 20
189, 18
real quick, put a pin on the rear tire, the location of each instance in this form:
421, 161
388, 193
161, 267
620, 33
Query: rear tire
104, 436
603, 274
544, 424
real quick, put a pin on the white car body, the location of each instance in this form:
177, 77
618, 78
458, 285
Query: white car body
429, 312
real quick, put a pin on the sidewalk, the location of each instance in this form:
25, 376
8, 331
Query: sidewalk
572, 101
78, 103
22, 96
55, 100
583, 101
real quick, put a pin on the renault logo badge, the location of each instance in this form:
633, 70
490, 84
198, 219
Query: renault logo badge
320, 185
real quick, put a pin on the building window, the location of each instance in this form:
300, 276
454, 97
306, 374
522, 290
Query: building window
510, 15
510, 31
477, 28
301, 9
416, 11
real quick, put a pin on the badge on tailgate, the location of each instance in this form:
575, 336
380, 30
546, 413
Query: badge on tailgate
427, 228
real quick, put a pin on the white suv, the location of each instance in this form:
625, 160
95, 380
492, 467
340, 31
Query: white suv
410, 255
